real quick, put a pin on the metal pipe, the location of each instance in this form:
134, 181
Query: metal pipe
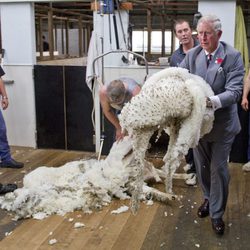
120, 51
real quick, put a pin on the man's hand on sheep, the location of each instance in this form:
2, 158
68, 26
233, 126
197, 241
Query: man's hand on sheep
213, 102
209, 104
120, 134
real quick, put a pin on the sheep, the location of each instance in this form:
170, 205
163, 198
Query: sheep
174, 100
85, 184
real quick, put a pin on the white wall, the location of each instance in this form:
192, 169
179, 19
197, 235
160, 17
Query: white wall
18, 40
20, 115
104, 27
225, 10
136, 72
17, 21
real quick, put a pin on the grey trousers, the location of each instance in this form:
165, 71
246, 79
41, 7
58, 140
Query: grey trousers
213, 174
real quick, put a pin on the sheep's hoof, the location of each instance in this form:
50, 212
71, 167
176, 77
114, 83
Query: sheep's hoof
171, 196
148, 196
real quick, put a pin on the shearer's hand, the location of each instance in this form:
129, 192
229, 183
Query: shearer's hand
119, 135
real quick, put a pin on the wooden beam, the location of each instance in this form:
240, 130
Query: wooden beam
95, 6
55, 10
65, 18
160, 3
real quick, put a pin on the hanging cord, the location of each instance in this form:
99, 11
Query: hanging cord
110, 37
96, 81
116, 32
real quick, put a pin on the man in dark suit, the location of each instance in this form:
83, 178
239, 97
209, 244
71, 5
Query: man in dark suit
222, 67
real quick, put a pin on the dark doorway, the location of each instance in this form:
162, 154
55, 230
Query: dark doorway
63, 108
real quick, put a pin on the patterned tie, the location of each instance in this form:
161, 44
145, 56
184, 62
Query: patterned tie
209, 58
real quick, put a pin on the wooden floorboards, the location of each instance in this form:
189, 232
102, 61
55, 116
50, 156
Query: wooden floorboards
160, 226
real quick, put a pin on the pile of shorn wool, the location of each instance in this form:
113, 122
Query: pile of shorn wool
79, 185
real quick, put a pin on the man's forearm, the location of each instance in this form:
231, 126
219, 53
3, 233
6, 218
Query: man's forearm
2, 88
113, 119
246, 87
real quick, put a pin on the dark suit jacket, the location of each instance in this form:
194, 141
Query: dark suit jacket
225, 76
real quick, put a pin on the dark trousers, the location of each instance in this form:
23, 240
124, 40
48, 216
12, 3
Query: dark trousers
248, 148
4, 145
213, 174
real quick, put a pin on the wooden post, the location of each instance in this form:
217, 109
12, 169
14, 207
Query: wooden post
80, 36
40, 39
50, 31
36, 34
84, 41
173, 41
55, 28
149, 28
67, 36
163, 53
62, 37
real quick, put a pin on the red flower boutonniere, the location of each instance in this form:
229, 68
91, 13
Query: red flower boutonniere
218, 60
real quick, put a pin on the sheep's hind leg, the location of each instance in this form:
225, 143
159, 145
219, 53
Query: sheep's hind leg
178, 150
169, 177
173, 135
140, 144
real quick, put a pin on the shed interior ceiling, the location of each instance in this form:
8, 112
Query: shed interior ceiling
170, 10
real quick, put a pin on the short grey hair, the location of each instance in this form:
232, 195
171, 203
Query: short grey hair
213, 20
116, 91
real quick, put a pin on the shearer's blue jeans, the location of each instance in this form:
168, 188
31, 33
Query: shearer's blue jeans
4, 145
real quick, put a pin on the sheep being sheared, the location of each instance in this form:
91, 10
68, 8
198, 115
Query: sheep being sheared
175, 100
84, 185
